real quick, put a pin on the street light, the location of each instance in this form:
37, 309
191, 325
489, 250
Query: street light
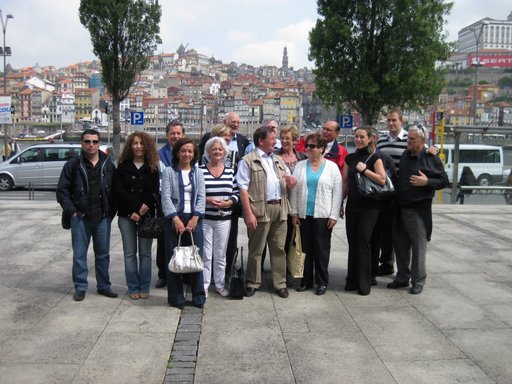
6, 51
477, 64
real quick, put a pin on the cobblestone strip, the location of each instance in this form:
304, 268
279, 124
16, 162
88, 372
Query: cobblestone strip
182, 362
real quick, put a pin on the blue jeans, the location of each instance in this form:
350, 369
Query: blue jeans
175, 281
138, 277
81, 232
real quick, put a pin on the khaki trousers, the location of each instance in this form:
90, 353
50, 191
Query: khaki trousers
272, 232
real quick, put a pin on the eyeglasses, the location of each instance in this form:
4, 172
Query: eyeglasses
90, 142
313, 146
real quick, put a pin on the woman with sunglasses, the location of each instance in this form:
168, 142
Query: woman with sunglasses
136, 184
362, 212
315, 205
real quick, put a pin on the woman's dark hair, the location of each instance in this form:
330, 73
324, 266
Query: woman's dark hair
319, 138
151, 157
176, 149
367, 129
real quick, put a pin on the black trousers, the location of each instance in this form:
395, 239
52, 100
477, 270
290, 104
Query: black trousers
382, 238
232, 245
160, 257
316, 242
359, 224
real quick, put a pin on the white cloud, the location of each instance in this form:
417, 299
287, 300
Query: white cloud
240, 36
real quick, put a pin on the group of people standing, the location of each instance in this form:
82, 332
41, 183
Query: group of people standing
279, 184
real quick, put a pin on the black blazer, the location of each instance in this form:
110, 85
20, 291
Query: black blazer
133, 187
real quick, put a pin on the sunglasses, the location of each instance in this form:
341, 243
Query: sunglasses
313, 146
90, 141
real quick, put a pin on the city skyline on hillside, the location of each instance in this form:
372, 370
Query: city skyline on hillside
253, 32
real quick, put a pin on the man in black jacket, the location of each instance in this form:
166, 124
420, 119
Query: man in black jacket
421, 174
85, 194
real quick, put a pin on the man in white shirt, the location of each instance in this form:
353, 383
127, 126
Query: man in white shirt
263, 180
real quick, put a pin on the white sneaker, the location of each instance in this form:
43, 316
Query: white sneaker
206, 293
223, 292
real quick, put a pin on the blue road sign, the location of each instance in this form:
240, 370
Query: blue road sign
346, 121
137, 118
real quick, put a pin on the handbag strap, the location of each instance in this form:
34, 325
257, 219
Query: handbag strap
298, 238
369, 157
179, 239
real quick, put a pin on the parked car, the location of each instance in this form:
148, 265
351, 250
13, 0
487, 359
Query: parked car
39, 165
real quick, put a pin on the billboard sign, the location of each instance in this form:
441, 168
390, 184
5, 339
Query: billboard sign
5, 110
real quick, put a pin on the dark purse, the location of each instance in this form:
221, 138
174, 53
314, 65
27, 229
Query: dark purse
150, 227
369, 188
236, 280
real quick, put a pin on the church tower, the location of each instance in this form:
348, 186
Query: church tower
285, 60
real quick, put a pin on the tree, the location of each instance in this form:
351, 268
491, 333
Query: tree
124, 34
377, 53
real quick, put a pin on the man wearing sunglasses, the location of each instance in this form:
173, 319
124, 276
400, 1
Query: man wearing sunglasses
85, 194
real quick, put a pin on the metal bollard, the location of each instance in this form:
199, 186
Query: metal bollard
31, 194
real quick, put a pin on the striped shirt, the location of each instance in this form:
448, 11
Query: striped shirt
223, 187
394, 147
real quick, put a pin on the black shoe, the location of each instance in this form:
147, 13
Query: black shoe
397, 284
79, 295
160, 283
349, 287
416, 289
179, 306
374, 281
320, 290
385, 270
107, 293
250, 291
282, 292
302, 288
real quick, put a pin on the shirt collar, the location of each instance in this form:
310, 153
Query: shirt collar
263, 154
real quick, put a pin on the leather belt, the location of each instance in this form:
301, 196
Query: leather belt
274, 202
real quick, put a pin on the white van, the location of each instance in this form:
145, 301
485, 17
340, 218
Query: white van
486, 162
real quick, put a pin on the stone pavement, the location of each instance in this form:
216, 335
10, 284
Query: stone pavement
459, 330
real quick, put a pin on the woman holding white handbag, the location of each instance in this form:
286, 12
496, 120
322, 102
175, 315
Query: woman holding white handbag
183, 205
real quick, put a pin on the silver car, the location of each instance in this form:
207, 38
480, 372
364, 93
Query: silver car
39, 165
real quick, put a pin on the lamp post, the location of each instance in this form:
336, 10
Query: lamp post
4, 54
477, 64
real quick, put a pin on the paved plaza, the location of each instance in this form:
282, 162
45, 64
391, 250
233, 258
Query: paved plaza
459, 330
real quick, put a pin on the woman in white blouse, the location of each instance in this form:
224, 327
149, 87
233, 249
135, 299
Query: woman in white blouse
315, 205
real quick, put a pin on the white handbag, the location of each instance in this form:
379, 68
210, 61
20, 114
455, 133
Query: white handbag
186, 259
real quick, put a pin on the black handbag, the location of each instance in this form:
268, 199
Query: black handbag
236, 280
150, 227
369, 188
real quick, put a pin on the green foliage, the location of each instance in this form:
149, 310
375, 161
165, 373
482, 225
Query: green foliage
379, 53
465, 82
505, 81
124, 34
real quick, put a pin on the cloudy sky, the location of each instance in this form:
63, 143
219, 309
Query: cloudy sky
246, 31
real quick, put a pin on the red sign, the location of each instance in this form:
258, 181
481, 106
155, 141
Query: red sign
490, 61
